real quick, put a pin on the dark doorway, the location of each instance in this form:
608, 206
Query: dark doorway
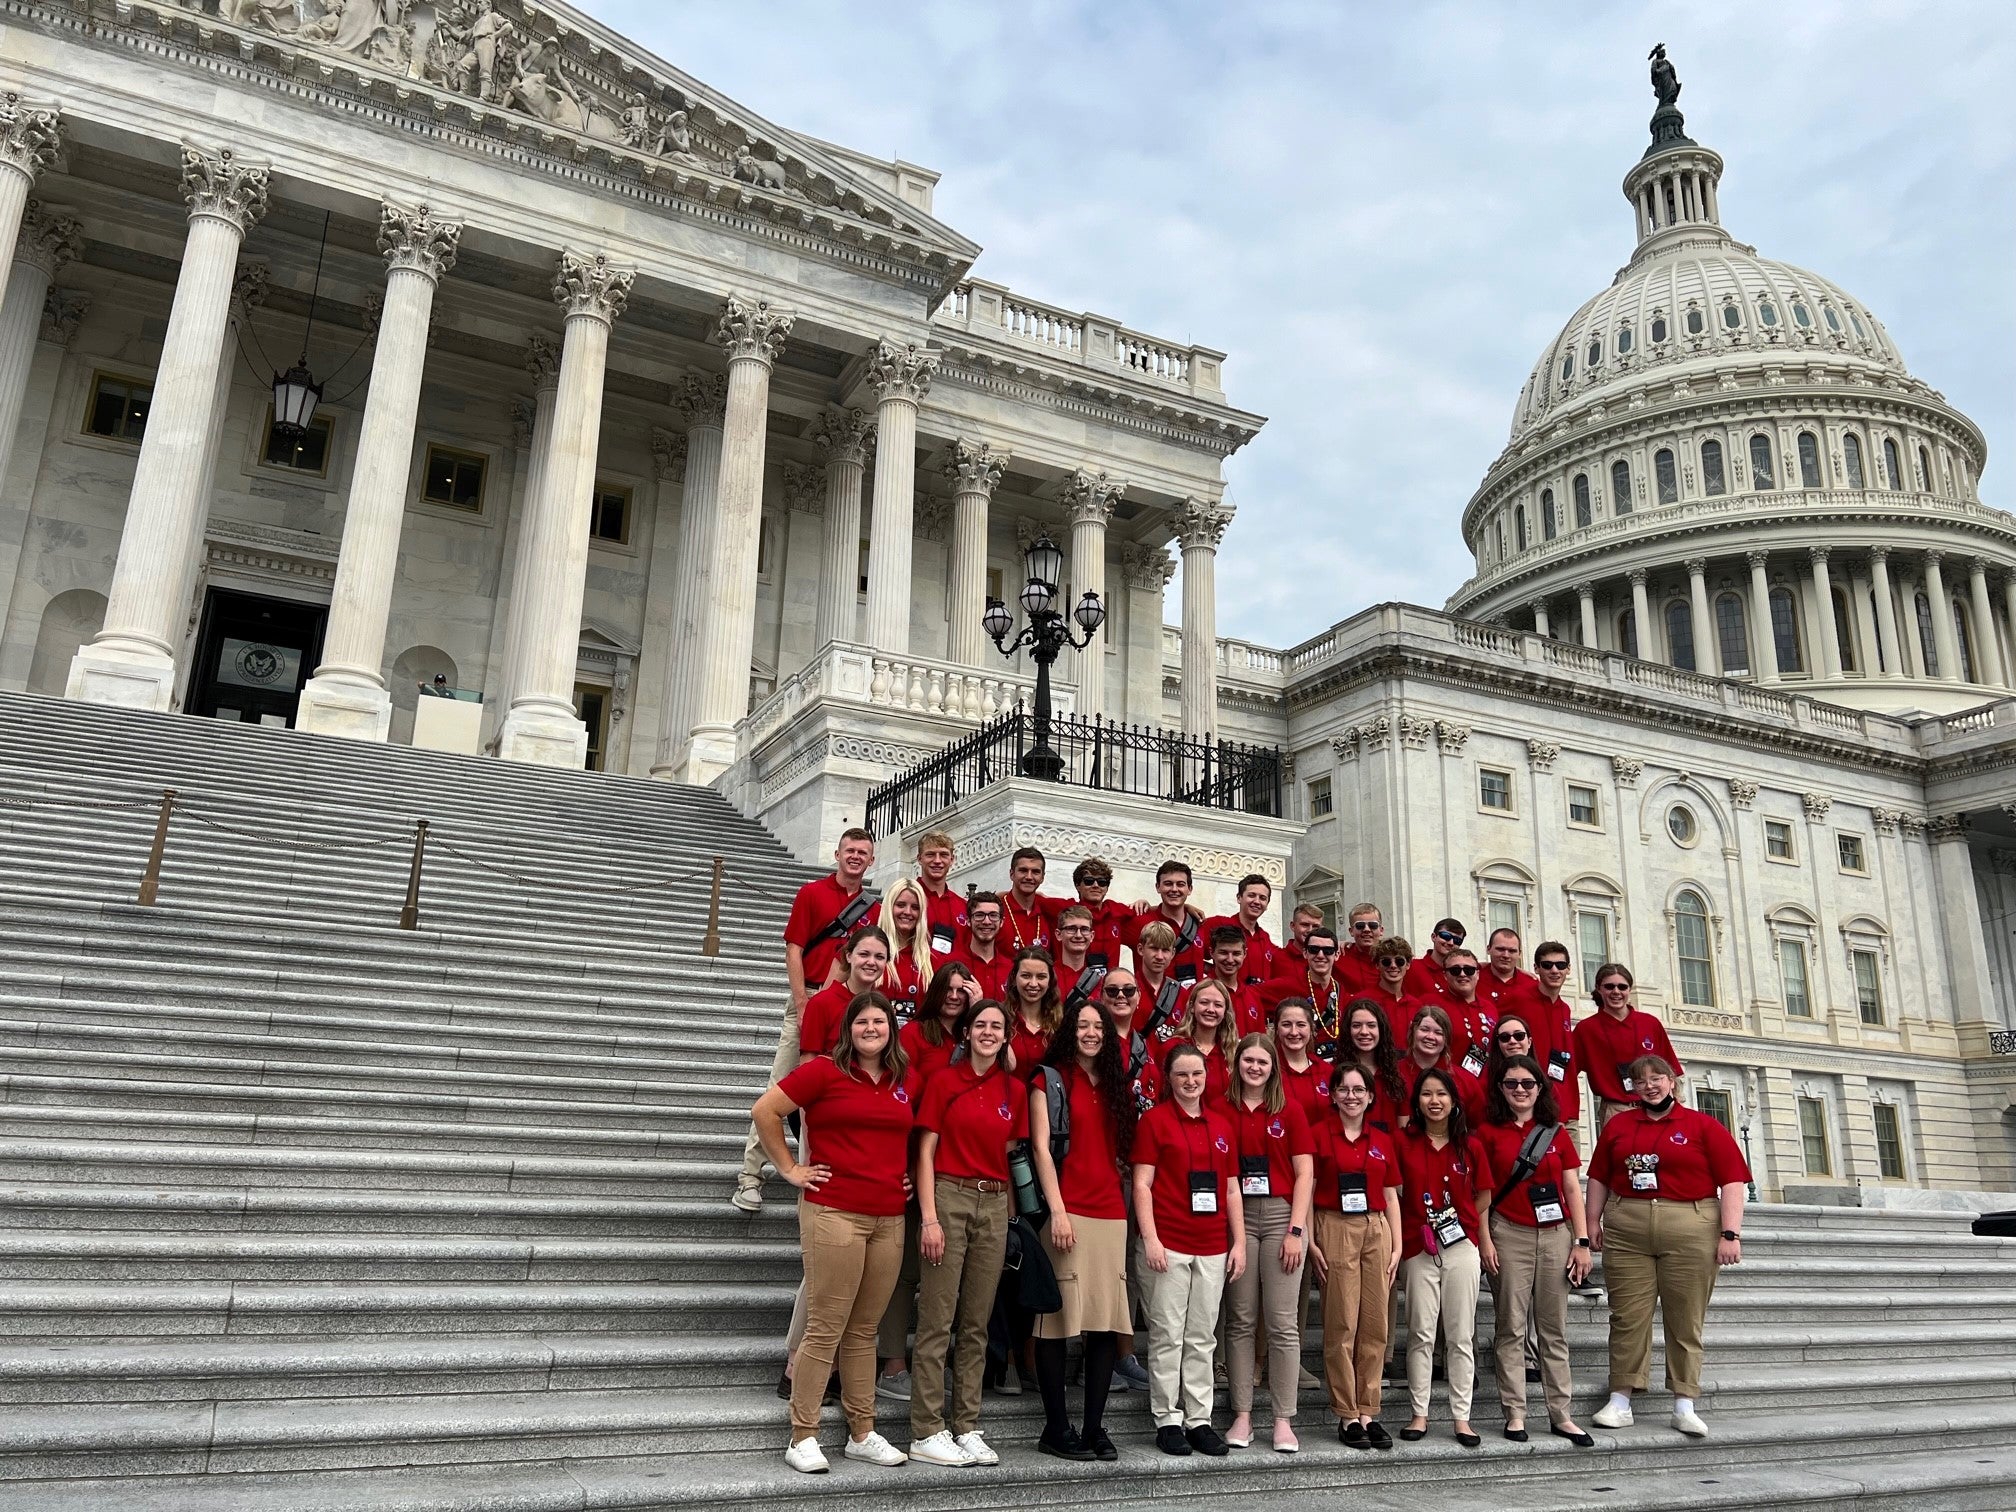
253, 656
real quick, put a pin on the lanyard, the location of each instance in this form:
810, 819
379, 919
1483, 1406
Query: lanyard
1199, 1125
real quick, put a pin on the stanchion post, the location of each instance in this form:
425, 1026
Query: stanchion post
409, 914
150, 880
711, 944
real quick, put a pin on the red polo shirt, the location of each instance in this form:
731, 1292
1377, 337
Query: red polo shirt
1469, 1024
1090, 1180
903, 985
945, 912
992, 976
1289, 959
1022, 928
1425, 980
1147, 1083
974, 1118
818, 904
1448, 1177
1309, 1090
1109, 925
1502, 1143
1262, 954
1278, 1137
1217, 1074
1175, 1145
1605, 1048
1690, 1154
1145, 1004
1030, 1045
863, 1133
1469, 1089
819, 1023
1356, 971
1370, 1155
926, 1059
1191, 963
1328, 1001
1553, 1026
1504, 997
1249, 1015
1068, 978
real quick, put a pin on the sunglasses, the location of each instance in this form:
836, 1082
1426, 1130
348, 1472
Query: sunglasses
1364, 926
1550, 965
1448, 938
1461, 971
1402, 962
1519, 1084
1613, 986
1319, 950
1121, 992
1513, 1034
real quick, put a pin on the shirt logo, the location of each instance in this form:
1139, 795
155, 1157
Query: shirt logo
1677, 1138
1276, 1131
1323, 1088
1220, 1146
1646, 1043
1460, 1167
1375, 1153
902, 1094
1006, 1115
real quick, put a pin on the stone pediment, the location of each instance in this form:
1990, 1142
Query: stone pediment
547, 76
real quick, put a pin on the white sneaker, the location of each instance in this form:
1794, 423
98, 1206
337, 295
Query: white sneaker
876, 1450
1688, 1422
978, 1447
806, 1455
940, 1449
748, 1198
1609, 1416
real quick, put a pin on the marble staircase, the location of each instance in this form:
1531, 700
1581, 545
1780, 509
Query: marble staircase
301, 1211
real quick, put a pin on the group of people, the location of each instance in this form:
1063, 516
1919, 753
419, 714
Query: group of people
1208, 1128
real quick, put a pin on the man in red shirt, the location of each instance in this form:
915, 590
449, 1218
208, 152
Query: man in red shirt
1092, 879
1023, 922
980, 951
1254, 894
1428, 978
1228, 969
1551, 1017
1318, 983
1078, 976
1612, 1037
1503, 985
822, 916
1173, 884
1289, 959
1357, 967
944, 905
1470, 1019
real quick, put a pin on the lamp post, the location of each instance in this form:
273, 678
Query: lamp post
1047, 633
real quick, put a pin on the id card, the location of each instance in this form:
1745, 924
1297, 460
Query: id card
1473, 1060
1624, 1076
1351, 1192
1546, 1199
1446, 1226
1643, 1171
1256, 1176
1557, 1066
1203, 1191
943, 938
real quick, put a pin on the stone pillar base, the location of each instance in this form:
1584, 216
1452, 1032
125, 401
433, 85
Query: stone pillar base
135, 677
543, 737
336, 704
710, 753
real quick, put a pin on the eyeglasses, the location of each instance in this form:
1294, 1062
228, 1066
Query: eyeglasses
1352, 1092
1550, 965
1447, 938
984, 916
1510, 1035
1074, 929
1121, 992
1461, 971
1518, 1084
1319, 950
1366, 926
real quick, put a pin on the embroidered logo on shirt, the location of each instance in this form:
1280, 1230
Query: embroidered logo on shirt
1220, 1145
1677, 1138
1006, 1115
902, 1094
1276, 1131
1322, 1089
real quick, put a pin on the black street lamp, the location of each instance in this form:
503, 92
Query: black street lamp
1047, 633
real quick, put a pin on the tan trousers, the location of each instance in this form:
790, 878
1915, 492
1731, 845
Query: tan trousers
782, 1064
1265, 1288
1532, 1286
1182, 1332
850, 1266
1442, 1289
1355, 1321
961, 1285
892, 1338
1663, 1252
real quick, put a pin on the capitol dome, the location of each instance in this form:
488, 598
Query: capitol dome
1721, 463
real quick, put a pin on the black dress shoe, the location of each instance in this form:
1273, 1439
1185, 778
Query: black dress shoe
1170, 1440
1579, 1440
1411, 1435
1100, 1445
1396, 1370
1352, 1435
1532, 1373
1517, 1435
1377, 1436
1205, 1440
1469, 1440
1065, 1446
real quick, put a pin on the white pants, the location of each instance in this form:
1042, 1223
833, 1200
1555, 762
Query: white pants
1182, 1305
1443, 1288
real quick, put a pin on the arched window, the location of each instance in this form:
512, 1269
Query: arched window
1666, 476
1760, 462
1680, 634
1963, 642
1928, 642
1851, 458
1713, 479
1691, 945
1620, 487
1732, 633
1809, 460
1627, 632
1893, 469
1844, 632
1548, 526
1519, 527
1499, 533
1583, 514
1785, 631
1924, 470
1623, 340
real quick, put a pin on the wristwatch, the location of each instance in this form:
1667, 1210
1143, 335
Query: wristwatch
1731, 1234
1581, 1244
1295, 1229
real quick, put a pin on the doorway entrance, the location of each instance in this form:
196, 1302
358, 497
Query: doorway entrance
592, 705
253, 656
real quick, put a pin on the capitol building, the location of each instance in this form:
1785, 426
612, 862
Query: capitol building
352, 353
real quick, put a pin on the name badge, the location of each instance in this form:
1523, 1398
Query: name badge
943, 938
1256, 1176
1624, 1076
1546, 1199
1204, 1191
1557, 1066
1473, 1059
1643, 1171
1351, 1197
1446, 1227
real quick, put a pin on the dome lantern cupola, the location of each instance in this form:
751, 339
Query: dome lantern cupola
1672, 189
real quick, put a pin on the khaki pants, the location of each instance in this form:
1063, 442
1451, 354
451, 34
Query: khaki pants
850, 1266
1356, 1247
1532, 1285
781, 1065
1182, 1307
892, 1338
961, 1285
1443, 1289
1265, 1288
1659, 1251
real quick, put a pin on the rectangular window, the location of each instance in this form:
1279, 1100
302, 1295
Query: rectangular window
1501, 913
609, 515
1868, 985
1592, 943
1319, 798
1582, 805
1494, 790
1813, 1136
1889, 1142
118, 408
1849, 848
1718, 1105
309, 453
1778, 840
1792, 972
454, 479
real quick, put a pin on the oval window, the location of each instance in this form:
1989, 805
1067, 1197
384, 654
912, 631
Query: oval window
1594, 357
1767, 313
1681, 824
1833, 320
1695, 323
1801, 315
1658, 329
1731, 316
1623, 341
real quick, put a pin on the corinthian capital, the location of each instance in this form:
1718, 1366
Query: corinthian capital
845, 435
542, 361
592, 286
1202, 522
1146, 567
249, 288
49, 238
29, 139
753, 329
901, 371
414, 238
702, 398
219, 184
975, 467
1090, 497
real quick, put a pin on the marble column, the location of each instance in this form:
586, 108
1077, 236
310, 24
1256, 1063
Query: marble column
541, 726
1641, 616
1200, 525
347, 696
1585, 594
702, 401
900, 376
1146, 571
131, 661
29, 142
975, 469
1987, 643
532, 430
1762, 635
657, 647
1829, 659
845, 437
1887, 644
1089, 498
47, 241
1541, 624
1707, 650
1943, 638
753, 334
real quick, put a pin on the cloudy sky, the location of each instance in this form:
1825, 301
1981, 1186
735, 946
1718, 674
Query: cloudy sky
1383, 212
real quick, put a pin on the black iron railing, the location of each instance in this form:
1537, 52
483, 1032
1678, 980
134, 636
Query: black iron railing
1114, 758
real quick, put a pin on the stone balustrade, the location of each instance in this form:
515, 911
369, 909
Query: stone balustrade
1242, 661
1079, 340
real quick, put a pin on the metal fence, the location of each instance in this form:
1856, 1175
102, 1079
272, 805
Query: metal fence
1088, 753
